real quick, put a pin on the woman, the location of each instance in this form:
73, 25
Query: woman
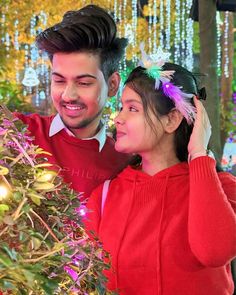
169, 222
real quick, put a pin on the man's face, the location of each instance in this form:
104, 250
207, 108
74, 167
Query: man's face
78, 90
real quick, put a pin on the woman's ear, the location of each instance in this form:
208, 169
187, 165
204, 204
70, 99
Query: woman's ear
173, 120
113, 84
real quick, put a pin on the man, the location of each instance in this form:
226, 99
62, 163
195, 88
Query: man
85, 54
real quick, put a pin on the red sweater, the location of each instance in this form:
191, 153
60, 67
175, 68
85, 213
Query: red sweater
173, 233
80, 160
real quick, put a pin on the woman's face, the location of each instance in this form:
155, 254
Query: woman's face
134, 134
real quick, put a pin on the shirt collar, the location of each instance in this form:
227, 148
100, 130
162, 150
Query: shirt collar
57, 125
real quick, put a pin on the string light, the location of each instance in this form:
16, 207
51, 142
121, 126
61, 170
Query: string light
161, 24
134, 26
17, 48
234, 109
16, 35
120, 18
128, 34
182, 32
3, 21
150, 22
161, 10
218, 33
115, 11
7, 43
226, 45
177, 32
155, 26
189, 37
168, 23
43, 18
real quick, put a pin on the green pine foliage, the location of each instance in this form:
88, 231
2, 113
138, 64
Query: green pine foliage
44, 248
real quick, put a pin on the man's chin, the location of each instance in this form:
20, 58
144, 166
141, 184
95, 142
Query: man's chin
77, 124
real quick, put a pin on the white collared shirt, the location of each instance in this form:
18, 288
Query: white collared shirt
57, 125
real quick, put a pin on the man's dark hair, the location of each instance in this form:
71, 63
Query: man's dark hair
90, 29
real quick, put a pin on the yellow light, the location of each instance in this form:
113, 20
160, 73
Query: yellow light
46, 176
3, 192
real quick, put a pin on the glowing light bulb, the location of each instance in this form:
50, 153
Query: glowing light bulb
3, 192
46, 176
82, 210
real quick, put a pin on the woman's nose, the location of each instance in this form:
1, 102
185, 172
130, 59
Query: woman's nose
119, 119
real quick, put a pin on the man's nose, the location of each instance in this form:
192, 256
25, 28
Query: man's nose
70, 93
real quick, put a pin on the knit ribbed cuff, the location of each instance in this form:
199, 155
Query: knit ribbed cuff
202, 168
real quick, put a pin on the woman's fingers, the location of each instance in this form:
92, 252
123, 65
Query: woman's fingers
201, 131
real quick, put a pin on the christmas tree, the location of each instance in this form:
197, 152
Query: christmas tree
44, 248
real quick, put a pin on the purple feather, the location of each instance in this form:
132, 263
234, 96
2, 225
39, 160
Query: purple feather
181, 101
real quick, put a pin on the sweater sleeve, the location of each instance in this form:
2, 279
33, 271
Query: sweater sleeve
93, 216
212, 219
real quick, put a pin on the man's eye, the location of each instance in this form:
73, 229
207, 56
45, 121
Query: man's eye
58, 81
85, 83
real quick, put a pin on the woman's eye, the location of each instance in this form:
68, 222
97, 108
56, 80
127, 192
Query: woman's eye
132, 109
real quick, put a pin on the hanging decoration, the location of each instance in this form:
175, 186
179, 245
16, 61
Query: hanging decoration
168, 25
159, 34
161, 18
177, 38
134, 26
189, 38
218, 32
151, 40
226, 45
30, 77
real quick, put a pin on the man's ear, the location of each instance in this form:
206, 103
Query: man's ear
113, 84
173, 120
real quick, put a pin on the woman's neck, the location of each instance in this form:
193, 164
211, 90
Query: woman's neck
155, 162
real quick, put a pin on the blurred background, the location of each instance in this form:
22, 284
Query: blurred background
199, 34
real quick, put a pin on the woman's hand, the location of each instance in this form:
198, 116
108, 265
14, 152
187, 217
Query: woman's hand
201, 133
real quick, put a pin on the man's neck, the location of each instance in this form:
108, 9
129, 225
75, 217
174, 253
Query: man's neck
88, 131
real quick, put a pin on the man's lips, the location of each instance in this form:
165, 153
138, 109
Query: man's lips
73, 110
73, 107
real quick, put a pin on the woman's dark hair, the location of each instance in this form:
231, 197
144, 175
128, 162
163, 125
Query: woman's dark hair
160, 104
89, 29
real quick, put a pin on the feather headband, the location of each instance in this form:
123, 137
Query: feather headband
153, 65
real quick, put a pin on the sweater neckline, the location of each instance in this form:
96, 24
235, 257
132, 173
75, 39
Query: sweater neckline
137, 174
90, 143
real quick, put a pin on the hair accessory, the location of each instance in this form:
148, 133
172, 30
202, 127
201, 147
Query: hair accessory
202, 93
153, 65
179, 98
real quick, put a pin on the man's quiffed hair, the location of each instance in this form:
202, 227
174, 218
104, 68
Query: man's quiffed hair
89, 29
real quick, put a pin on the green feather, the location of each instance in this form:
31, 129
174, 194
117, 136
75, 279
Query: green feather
154, 72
